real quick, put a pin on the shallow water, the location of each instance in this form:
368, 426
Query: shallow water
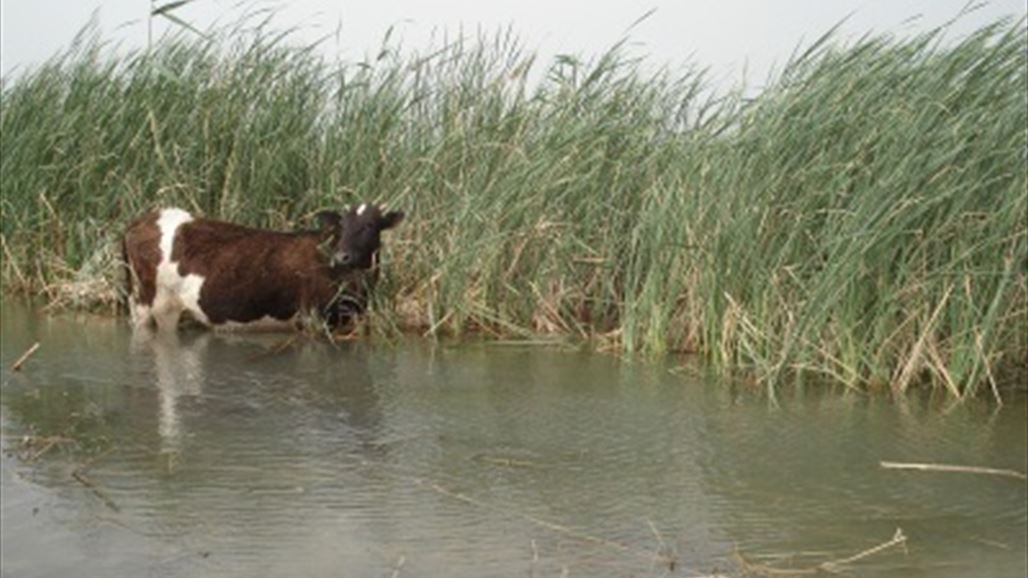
209, 455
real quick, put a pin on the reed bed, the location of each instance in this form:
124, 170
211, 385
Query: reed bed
862, 219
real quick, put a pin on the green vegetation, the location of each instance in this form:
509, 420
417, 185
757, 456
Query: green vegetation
862, 219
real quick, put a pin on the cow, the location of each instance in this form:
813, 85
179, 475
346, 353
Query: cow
231, 277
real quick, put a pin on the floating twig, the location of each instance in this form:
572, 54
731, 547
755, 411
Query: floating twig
505, 462
552, 526
832, 566
837, 565
669, 555
953, 468
82, 479
46, 444
92, 461
399, 564
279, 348
25, 357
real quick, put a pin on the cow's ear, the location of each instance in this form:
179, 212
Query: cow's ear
327, 219
391, 219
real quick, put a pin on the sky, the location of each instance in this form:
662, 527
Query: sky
739, 40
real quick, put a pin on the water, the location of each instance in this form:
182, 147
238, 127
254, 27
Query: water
210, 455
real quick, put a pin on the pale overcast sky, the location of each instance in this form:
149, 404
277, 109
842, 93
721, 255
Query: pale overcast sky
729, 36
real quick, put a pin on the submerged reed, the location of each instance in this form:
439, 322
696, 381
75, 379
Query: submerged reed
862, 219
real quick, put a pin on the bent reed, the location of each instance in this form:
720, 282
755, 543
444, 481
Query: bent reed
862, 219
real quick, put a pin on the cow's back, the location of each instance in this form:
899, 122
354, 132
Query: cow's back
250, 275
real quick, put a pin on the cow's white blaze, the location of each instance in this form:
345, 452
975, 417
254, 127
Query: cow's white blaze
175, 293
362, 208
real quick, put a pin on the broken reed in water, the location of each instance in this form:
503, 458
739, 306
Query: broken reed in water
860, 220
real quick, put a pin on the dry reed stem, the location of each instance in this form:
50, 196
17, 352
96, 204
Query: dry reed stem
939, 367
916, 357
988, 367
954, 468
10, 261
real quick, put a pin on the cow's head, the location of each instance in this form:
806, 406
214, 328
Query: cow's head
354, 236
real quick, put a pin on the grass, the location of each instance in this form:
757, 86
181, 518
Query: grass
862, 219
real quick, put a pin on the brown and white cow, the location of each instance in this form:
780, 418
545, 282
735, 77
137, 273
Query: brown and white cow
233, 277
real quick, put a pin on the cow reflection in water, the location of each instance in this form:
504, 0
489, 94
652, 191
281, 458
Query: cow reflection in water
179, 368
251, 390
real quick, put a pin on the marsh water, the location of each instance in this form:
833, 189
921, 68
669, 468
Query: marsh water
271, 455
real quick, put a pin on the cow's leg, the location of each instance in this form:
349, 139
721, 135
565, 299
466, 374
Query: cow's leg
166, 311
167, 319
140, 314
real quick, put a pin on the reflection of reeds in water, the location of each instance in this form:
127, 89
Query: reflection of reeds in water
178, 368
861, 219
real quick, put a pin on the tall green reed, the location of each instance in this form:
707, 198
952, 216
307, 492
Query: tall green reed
862, 219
